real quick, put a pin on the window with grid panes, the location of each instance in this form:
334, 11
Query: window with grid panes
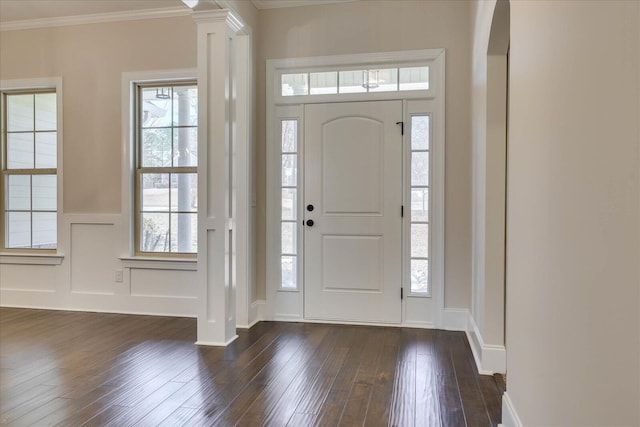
29, 170
166, 168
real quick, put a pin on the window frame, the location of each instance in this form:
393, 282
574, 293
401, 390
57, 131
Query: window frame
139, 169
417, 109
419, 309
32, 86
291, 115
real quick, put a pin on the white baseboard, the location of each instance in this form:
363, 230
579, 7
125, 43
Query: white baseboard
490, 359
455, 319
281, 317
256, 314
216, 344
509, 415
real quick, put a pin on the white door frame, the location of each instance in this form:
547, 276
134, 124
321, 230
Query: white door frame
287, 304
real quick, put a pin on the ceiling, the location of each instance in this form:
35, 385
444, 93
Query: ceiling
23, 10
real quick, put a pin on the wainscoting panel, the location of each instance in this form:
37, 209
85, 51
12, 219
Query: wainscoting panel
92, 259
163, 283
84, 274
34, 278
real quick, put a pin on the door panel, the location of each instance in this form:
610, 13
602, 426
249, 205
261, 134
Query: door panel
344, 141
353, 179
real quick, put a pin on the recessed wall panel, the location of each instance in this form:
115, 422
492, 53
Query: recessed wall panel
92, 258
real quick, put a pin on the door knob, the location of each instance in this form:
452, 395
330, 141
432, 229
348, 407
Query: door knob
310, 222
310, 208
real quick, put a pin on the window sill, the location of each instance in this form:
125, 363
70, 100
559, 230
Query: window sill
419, 295
30, 259
150, 263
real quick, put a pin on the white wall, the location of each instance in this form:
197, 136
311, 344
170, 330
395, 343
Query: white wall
489, 99
91, 59
383, 26
573, 297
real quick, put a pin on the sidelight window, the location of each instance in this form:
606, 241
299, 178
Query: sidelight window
289, 203
419, 194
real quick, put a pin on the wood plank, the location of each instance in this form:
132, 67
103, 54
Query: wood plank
475, 411
74, 369
451, 412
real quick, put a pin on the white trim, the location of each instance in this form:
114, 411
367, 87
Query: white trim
97, 18
455, 319
127, 181
217, 104
282, 107
434, 58
188, 264
256, 314
31, 259
510, 417
297, 319
243, 179
490, 359
216, 343
278, 4
94, 310
48, 83
437, 192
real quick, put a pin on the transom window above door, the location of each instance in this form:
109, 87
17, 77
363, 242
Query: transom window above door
355, 81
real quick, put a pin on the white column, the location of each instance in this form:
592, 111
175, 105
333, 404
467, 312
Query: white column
216, 104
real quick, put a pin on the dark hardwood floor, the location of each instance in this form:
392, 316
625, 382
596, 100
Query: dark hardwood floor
73, 369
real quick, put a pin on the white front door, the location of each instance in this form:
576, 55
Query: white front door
353, 196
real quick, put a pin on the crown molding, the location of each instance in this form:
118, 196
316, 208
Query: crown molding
97, 18
277, 4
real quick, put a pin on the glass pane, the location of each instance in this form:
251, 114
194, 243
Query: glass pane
155, 108
20, 151
184, 192
289, 169
294, 84
44, 193
154, 232
289, 136
419, 132
46, 111
18, 230
419, 275
19, 192
414, 78
420, 204
383, 80
185, 105
19, 113
185, 147
156, 147
420, 240
420, 168
323, 83
352, 81
155, 192
184, 233
288, 272
289, 203
288, 241
44, 230
46, 155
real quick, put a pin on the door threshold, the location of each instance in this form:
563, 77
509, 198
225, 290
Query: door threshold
415, 325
